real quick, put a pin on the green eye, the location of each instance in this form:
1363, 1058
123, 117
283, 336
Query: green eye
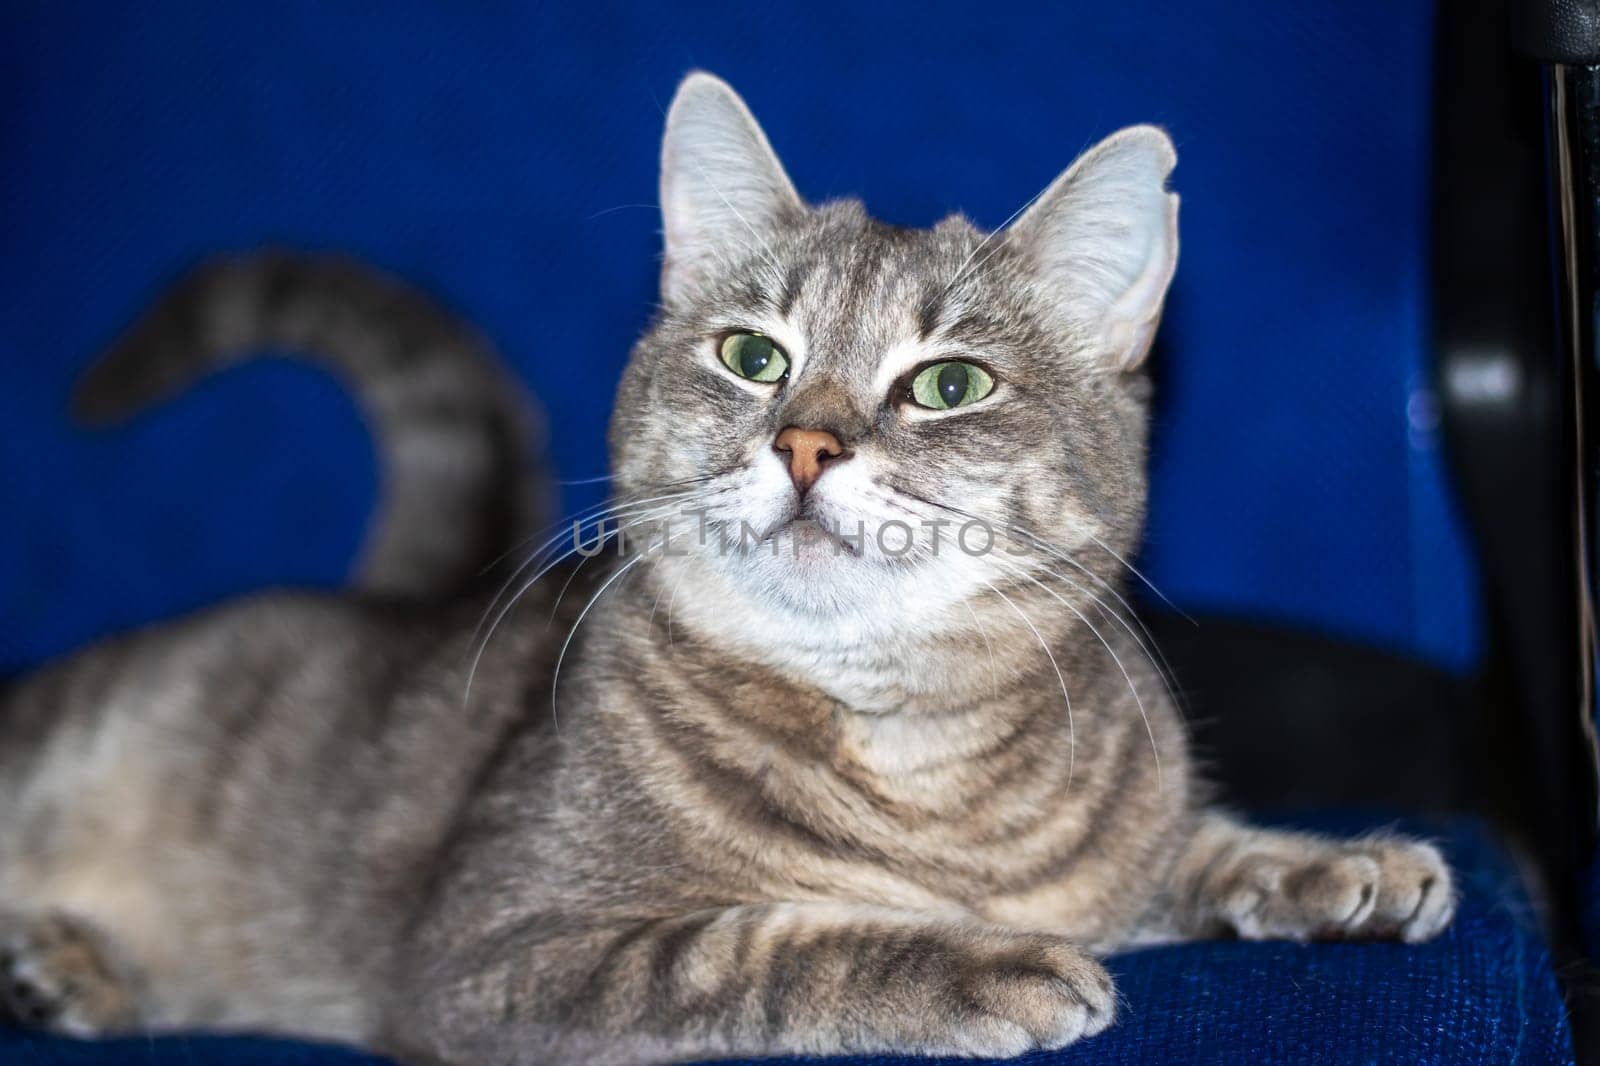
946, 385
750, 355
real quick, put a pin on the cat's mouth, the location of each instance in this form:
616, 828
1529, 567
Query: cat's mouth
806, 527
804, 530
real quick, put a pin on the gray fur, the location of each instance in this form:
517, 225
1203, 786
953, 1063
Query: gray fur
458, 441
803, 798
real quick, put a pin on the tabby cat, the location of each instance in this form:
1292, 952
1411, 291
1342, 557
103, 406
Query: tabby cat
854, 745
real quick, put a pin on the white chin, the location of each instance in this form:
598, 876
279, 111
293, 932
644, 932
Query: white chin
818, 577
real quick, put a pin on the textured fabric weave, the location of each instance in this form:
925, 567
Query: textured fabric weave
1483, 993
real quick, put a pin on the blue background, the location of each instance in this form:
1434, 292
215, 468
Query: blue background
505, 159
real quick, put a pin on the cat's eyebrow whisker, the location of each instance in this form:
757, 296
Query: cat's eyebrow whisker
999, 233
761, 244
1072, 731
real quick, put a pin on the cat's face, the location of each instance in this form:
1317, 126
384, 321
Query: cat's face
873, 428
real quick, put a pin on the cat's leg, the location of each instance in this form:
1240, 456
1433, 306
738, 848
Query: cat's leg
62, 974
1275, 884
795, 978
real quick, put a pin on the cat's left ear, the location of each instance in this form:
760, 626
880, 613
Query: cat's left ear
1104, 238
722, 187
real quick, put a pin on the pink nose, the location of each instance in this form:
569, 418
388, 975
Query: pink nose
809, 450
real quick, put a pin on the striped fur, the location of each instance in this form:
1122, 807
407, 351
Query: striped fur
710, 795
461, 478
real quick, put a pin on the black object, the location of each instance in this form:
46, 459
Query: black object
1507, 403
1287, 721
1573, 140
1557, 31
1517, 256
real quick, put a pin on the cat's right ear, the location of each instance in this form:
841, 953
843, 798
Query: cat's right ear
722, 188
1104, 237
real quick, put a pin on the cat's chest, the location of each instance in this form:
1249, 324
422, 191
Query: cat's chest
1001, 809
1063, 877
1004, 822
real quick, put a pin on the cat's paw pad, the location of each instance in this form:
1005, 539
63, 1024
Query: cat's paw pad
1038, 994
53, 975
1416, 896
1380, 887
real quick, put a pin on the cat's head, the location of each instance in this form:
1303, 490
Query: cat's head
840, 398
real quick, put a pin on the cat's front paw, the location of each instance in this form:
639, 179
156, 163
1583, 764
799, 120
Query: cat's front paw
1024, 993
1376, 887
55, 975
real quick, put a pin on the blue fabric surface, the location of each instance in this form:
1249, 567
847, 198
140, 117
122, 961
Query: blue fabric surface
1482, 993
504, 155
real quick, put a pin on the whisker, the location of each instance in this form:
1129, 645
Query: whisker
761, 243
555, 677
635, 520
1018, 570
1148, 647
528, 584
619, 207
994, 671
999, 232
689, 485
676, 483
1147, 642
599, 514
1109, 550
1128, 678
671, 600
1072, 732
650, 622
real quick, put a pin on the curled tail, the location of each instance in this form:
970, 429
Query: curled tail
460, 477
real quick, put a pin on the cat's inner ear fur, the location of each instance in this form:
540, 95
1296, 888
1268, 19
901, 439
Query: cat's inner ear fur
1103, 238
722, 188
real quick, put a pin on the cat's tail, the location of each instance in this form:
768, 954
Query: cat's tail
459, 443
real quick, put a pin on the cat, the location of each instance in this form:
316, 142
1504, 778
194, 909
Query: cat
796, 776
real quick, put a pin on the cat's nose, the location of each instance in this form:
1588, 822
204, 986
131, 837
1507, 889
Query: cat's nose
808, 451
